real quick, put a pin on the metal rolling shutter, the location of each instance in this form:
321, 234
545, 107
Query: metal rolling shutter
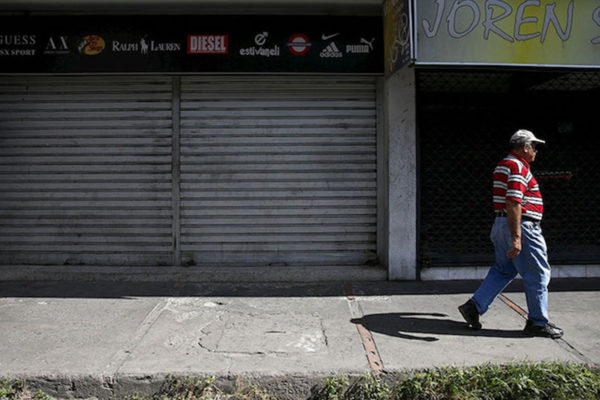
278, 170
85, 170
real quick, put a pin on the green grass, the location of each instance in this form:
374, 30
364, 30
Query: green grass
513, 381
9, 389
366, 387
519, 381
15, 390
201, 389
516, 381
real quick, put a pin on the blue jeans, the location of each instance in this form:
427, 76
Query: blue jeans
532, 264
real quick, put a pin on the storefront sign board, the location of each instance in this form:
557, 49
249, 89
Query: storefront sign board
191, 44
508, 32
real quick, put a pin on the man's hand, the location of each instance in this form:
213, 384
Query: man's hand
515, 249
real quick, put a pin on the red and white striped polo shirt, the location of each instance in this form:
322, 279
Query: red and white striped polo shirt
514, 181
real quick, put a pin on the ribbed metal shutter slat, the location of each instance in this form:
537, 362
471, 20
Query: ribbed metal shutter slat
86, 170
278, 170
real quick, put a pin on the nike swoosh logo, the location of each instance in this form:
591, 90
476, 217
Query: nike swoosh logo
323, 37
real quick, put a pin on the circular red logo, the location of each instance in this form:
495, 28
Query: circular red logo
299, 44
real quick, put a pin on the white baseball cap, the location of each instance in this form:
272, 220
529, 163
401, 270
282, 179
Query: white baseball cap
525, 136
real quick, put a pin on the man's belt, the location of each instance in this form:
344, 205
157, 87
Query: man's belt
502, 213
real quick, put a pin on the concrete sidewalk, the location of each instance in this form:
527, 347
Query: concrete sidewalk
86, 340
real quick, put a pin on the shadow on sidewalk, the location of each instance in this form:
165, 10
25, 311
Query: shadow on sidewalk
125, 290
406, 325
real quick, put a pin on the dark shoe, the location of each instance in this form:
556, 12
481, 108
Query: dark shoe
549, 330
470, 314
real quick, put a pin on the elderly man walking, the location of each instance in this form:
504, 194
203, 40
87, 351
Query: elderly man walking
518, 241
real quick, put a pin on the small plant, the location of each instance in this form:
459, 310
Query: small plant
15, 390
333, 389
133, 397
368, 387
42, 396
251, 392
186, 389
10, 389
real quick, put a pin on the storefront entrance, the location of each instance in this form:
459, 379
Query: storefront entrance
465, 118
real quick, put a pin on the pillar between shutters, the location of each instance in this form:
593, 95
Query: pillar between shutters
398, 230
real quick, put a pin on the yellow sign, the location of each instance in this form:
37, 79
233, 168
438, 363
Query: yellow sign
508, 32
92, 45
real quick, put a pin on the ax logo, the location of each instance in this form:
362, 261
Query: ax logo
57, 45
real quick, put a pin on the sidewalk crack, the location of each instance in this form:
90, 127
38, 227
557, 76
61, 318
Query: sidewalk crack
121, 356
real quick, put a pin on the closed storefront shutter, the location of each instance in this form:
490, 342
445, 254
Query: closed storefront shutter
278, 170
191, 171
85, 170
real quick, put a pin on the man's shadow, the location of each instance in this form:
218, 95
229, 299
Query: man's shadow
405, 325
